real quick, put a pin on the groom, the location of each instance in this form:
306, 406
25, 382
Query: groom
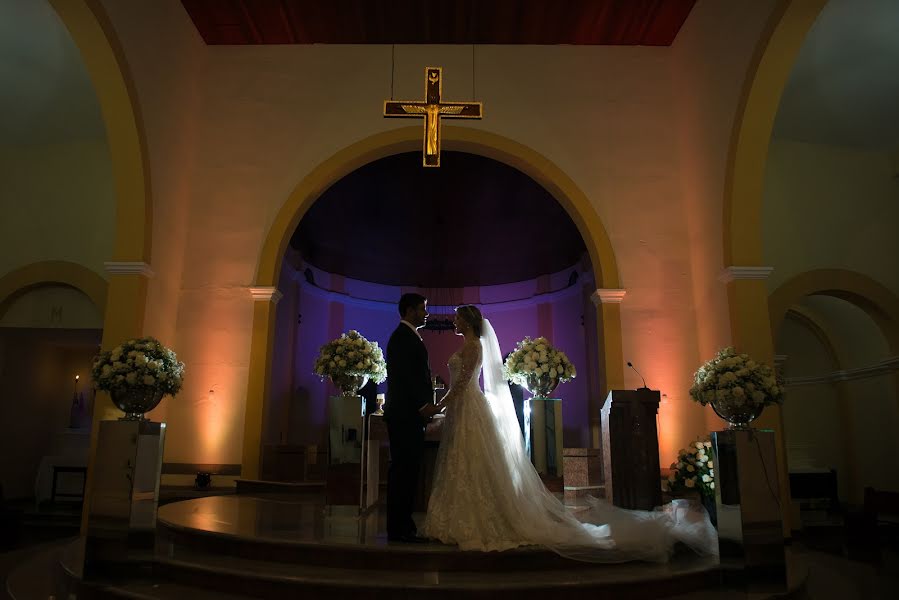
408, 407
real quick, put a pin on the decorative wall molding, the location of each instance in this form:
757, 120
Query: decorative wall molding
608, 296
265, 294
435, 309
729, 274
128, 268
884, 367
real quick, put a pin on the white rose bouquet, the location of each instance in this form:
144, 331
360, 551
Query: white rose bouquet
694, 470
351, 355
537, 358
735, 384
138, 363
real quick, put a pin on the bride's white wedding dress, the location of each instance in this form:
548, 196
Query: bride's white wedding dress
487, 496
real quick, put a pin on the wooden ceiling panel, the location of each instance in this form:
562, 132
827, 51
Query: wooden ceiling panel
544, 22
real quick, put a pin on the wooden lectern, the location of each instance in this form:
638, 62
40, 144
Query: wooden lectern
630, 449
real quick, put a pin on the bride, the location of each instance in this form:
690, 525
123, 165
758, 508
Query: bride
487, 496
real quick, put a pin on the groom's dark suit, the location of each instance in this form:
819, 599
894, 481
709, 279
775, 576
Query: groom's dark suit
408, 389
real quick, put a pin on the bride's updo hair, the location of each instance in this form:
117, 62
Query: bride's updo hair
472, 316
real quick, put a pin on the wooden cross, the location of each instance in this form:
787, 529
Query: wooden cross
432, 109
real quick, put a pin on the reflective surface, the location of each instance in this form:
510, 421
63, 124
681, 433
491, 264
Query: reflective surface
543, 435
750, 529
345, 435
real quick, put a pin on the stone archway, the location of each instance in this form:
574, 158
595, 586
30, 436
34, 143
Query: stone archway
473, 141
52, 272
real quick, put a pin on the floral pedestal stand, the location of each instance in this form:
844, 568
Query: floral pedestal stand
124, 491
747, 502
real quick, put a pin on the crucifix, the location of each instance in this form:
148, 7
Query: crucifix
432, 109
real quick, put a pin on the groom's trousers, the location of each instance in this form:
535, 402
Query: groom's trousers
406, 447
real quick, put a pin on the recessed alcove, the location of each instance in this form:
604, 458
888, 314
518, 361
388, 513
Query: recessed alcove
474, 231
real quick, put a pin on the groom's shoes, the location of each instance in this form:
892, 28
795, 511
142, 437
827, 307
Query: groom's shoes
408, 539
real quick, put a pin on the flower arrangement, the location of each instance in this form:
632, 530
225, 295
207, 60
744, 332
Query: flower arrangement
734, 382
537, 358
143, 362
351, 355
694, 470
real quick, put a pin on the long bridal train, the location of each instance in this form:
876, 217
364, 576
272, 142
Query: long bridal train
488, 497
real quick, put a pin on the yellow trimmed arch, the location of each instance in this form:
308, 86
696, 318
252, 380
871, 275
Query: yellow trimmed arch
881, 304
104, 58
473, 141
52, 272
748, 154
105, 61
395, 141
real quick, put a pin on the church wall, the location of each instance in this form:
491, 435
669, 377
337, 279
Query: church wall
165, 57
37, 370
811, 413
873, 407
823, 207
712, 54
874, 410
267, 115
58, 204
871, 418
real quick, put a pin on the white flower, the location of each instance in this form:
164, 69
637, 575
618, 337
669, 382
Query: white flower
699, 445
710, 464
149, 380
690, 482
690, 468
712, 485
707, 444
706, 479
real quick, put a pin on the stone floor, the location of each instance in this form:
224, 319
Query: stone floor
831, 574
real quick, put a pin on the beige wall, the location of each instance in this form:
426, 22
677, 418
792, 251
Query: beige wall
57, 204
823, 208
708, 79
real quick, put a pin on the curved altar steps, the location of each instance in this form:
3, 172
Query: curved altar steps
277, 530
201, 576
272, 547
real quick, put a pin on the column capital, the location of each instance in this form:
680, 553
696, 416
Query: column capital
729, 274
266, 293
607, 296
128, 268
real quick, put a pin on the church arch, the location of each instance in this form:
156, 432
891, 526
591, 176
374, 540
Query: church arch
819, 330
881, 304
474, 141
52, 272
747, 157
405, 139
876, 300
89, 26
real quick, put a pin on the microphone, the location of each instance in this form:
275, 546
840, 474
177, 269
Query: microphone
638, 373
